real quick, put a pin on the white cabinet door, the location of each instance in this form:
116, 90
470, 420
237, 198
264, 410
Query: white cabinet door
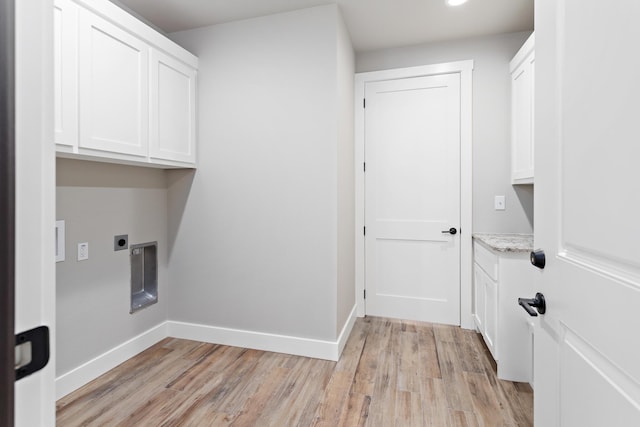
114, 84
65, 71
173, 103
522, 89
486, 308
491, 316
479, 296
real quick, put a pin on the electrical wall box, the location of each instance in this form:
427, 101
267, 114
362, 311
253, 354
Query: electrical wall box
144, 275
120, 242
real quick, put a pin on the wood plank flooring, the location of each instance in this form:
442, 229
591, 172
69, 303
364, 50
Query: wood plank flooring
392, 373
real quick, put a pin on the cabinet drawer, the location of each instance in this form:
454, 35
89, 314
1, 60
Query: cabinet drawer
486, 259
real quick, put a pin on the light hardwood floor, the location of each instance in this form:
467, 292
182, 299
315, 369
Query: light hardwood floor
392, 373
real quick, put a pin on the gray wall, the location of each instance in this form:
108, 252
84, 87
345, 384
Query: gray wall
260, 237
491, 121
346, 177
98, 201
258, 240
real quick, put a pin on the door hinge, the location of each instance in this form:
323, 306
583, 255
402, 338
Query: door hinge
364, 103
365, 294
364, 167
364, 231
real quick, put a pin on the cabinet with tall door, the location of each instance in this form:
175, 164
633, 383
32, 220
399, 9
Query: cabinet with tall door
502, 273
522, 68
123, 92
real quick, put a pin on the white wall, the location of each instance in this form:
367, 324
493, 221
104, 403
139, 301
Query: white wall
491, 121
97, 202
257, 242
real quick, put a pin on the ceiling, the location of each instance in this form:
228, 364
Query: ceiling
373, 24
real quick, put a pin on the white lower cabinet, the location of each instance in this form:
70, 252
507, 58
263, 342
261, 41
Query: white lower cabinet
500, 278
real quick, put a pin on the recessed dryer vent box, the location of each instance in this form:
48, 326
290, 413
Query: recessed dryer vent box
144, 275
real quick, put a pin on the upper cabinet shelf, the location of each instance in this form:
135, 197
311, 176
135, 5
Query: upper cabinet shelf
123, 92
522, 101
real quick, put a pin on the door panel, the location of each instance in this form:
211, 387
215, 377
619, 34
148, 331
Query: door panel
582, 365
404, 268
412, 194
587, 182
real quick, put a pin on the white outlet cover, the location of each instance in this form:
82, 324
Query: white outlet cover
60, 234
83, 251
499, 203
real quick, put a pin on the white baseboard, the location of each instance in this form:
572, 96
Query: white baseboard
76, 378
318, 349
346, 330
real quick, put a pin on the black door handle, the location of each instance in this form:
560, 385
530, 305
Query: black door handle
537, 258
450, 231
538, 302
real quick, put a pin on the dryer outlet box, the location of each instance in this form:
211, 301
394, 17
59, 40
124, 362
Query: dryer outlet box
121, 242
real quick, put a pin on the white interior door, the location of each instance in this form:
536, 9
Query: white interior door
412, 198
587, 191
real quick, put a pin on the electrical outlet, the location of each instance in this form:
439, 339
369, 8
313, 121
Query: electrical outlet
499, 203
83, 251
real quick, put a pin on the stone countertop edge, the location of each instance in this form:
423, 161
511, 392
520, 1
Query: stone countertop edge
503, 242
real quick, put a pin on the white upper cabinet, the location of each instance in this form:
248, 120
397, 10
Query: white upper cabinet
173, 104
124, 93
522, 101
65, 87
114, 88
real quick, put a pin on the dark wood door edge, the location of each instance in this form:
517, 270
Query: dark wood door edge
7, 211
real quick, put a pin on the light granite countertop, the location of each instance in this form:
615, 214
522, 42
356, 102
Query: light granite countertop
506, 242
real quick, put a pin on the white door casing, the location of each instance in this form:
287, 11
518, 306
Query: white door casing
35, 203
400, 226
587, 370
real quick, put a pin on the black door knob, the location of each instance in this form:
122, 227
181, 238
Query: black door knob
537, 258
538, 303
450, 231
